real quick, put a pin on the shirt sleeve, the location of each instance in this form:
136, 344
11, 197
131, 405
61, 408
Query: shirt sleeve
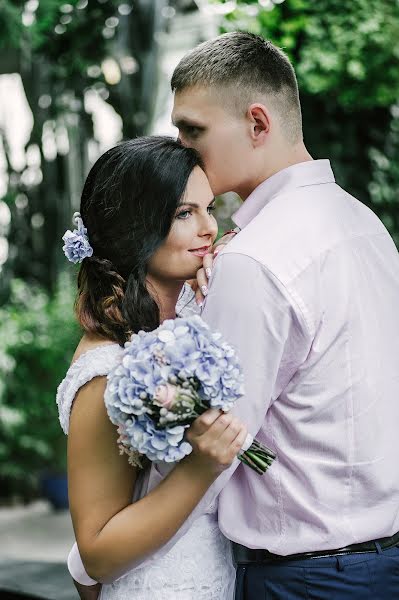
255, 313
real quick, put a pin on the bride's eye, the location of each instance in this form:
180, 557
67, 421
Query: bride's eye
211, 208
184, 214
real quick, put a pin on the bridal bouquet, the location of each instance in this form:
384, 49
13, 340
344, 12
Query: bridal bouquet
165, 380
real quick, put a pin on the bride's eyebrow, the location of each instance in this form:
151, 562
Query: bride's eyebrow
194, 205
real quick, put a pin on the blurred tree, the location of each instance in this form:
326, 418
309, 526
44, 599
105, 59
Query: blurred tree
346, 59
65, 50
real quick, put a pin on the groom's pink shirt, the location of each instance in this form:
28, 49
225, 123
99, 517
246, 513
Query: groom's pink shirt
308, 293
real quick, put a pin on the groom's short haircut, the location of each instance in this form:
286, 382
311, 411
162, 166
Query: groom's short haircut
247, 68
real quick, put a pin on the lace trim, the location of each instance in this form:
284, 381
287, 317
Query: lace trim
186, 304
96, 362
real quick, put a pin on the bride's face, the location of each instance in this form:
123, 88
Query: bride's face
192, 234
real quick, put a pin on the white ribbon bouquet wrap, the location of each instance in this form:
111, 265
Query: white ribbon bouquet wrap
165, 380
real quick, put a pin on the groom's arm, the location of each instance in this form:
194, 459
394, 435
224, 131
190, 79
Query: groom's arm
256, 313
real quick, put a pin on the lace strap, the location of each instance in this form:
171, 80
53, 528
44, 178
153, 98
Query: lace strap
186, 305
96, 362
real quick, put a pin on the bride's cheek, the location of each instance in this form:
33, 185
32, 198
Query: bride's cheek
181, 237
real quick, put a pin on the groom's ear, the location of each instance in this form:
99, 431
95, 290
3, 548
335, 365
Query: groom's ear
259, 120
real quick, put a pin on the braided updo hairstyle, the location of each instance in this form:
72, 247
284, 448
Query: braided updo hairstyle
128, 204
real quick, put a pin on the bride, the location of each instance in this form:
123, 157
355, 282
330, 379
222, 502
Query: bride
145, 225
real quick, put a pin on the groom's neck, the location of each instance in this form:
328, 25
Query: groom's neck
280, 160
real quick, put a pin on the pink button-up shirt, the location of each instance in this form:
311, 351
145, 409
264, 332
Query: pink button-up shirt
308, 293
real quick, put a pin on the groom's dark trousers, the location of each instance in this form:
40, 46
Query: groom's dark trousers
368, 576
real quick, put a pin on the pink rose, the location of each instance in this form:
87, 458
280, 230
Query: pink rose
165, 396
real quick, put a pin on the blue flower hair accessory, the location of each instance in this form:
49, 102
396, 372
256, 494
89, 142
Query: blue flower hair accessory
77, 245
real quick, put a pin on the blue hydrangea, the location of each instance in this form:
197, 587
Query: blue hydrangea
165, 445
182, 348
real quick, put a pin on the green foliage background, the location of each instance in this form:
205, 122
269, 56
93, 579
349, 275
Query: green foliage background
38, 335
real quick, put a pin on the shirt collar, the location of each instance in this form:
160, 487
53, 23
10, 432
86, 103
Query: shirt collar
312, 172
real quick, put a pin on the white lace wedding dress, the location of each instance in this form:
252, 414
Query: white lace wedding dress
199, 566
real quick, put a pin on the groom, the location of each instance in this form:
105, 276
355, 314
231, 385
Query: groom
308, 292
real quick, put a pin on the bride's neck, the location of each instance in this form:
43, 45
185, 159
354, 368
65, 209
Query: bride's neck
166, 294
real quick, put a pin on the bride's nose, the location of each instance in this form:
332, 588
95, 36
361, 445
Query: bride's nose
208, 227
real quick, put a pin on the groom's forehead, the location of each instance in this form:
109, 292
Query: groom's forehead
192, 106
185, 110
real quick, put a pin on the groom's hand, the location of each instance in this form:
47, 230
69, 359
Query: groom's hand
200, 285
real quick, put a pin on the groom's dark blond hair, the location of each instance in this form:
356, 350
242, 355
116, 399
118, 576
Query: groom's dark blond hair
244, 68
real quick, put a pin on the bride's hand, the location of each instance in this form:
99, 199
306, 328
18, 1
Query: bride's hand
200, 285
216, 438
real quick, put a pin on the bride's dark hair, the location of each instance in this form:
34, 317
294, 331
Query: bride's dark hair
128, 204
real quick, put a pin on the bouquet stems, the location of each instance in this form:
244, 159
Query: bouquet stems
258, 457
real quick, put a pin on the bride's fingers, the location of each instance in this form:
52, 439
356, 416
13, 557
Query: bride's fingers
203, 275
223, 447
207, 264
221, 439
228, 435
218, 428
202, 283
203, 423
217, 250
240, 439
230, 443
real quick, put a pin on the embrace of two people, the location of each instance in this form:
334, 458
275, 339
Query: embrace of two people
307, 292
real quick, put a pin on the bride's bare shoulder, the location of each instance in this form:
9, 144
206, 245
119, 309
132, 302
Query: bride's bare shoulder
89, 342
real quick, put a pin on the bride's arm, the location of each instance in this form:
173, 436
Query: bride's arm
88, 592
111, 532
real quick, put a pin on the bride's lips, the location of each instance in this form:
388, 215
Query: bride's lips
200, 251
